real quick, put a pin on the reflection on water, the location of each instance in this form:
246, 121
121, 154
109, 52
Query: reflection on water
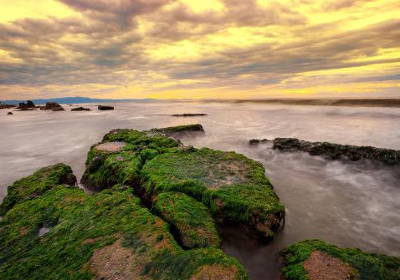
353, 204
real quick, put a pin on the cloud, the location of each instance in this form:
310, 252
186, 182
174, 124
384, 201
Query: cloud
164, 45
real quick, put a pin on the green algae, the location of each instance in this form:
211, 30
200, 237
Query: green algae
141, 139
180, 129
190, 219
87, 232
36, 184
233, 186
108, 169
369, 266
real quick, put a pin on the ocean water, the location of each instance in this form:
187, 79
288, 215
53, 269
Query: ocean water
351, 204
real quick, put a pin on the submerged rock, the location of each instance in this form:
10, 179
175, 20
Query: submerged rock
54, 106
60, 232
317, 260
10, 113
80, 109
105, 108
189, 115
334, 151
29, 105
233, 187
6, 106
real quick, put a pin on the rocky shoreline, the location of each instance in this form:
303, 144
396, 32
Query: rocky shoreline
332, 150
154, 216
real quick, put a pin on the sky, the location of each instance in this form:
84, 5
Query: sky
192, 49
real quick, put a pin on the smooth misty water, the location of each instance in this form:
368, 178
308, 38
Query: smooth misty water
348, 204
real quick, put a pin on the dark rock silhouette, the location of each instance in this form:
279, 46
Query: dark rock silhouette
105, 108
80, 109
189, 115
54, 106
334, 151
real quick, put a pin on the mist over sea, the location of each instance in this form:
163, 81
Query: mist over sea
350, 204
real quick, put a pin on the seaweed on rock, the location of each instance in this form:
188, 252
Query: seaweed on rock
36, 184
231, 185
301, 263
108, 235
190, 219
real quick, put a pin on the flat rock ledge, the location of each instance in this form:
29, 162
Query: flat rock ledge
318, 260
52, 230
233, 188
333, 151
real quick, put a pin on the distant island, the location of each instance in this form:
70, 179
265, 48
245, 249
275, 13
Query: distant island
75, 100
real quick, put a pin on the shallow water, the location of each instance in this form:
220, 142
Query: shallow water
348, 204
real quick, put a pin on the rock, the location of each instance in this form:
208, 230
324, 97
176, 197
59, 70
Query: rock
61, 230
189, 218
189, 115
6, 106
317, 260
232, 186
32, 186
10, 113
105, 108
257, 141
337, 151
30, 104
181, 130
54, 106
80, 109
26, 106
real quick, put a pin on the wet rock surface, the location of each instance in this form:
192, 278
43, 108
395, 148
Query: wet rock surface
6, 106
190, 219
232, 186
59, 232
29, 105
318, 260
80, 109
105, 108
53, 106
334, 151
189, 115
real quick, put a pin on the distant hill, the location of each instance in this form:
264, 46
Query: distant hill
75, 100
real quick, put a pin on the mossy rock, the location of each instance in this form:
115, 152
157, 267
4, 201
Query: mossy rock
231, 185
180, 129
32, 186
108, 169
108, 235
138, 140
189, 218
315, 259
119, 157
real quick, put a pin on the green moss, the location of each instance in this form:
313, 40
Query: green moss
32, 186
190, 218
141, 139
107, 169
187, 264
181, 128
369, 266
80, 225
233, 186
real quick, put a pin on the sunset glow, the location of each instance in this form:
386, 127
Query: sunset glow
194, 49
